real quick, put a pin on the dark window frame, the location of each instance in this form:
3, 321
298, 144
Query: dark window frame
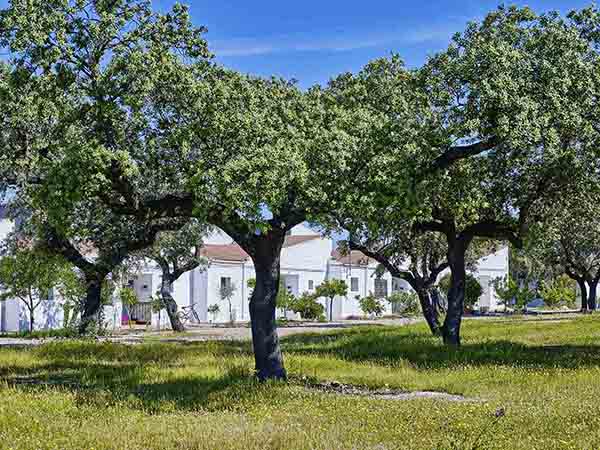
381, 288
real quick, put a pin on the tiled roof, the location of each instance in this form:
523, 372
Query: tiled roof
224, 252
290, 241
355, 258
233, 252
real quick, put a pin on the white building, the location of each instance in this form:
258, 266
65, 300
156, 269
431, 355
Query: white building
307, 260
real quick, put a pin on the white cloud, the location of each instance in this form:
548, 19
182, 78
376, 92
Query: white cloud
340, 43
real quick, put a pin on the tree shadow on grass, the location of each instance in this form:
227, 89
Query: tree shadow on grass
148, 376
142, 377
427, 352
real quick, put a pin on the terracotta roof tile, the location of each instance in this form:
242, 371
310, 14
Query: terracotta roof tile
233, 252
224, 252
355, 258
290, 241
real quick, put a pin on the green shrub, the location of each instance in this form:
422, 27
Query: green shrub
511, 293
330, 289
308, 307
371, 306
405, 303
214, 310
128, 296
561, 291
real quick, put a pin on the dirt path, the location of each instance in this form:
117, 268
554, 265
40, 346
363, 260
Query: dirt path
201, 333
242, 333
336, 388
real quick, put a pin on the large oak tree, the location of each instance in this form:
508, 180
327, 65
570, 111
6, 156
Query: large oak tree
86, 100
483, 134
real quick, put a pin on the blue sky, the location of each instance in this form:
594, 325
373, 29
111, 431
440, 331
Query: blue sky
313, 40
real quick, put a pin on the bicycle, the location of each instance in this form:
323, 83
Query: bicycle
188, 314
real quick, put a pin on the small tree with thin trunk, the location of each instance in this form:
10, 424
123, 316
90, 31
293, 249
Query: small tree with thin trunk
30, 275
176, 253
285, 299
568, 240
330, 289
226, 292
129, 299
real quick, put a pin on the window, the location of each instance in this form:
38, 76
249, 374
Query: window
397, 285
354, 284
311, 285
381, 289
225, 282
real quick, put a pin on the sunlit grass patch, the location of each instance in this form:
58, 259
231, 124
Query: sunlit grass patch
545, 376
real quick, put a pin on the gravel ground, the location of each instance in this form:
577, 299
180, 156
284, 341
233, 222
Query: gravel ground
337, 388
20, 342
241, 333
201, 333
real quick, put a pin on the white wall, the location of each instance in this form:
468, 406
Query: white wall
6, 226
149, 282
489, 268
309, 255
209, 285
366, 275
300, 264
11, 315
308, 261
199, 293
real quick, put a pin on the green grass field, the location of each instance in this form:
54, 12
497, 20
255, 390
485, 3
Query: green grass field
544, 373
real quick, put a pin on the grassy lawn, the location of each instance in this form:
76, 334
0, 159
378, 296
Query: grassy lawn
545, 373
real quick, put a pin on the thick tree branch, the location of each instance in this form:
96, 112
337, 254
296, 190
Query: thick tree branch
456, 153
433, 225
495, 230
395, 271
59, 244
436, 272
571, 274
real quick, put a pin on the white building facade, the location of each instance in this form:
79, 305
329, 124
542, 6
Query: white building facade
307, 260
